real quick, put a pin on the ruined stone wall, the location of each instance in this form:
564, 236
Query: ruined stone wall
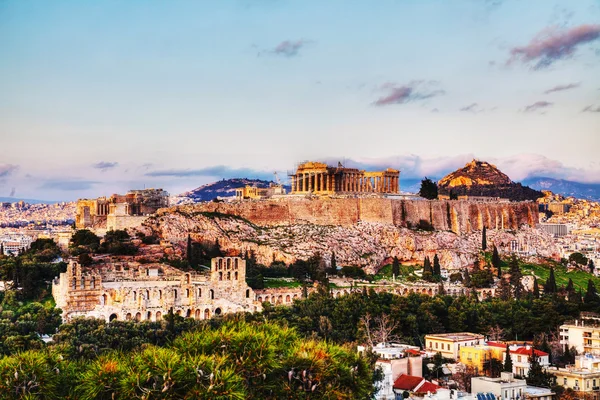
457, 216
115, 222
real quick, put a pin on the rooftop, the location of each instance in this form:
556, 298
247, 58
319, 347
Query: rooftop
456, 337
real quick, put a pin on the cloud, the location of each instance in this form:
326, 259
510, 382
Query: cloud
217, 171
289, 48
554, 44
7, 169
537, 106
413, 91
435, 110
474, 108
68, 184
591, 109
522, 166
560, 88
105, 165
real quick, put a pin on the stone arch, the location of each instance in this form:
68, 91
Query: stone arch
158, 315
430, 292
295, 296
104, 300
218, 311
229, 263
113, 317
138, 316
211, 294
207, 314
288, 298
235, 275
279, 299
93, 283
188, 314
260, 300
178, 312
197, 314
235, 263
220, 276
128, 317
228, 275
149, 316
82, 284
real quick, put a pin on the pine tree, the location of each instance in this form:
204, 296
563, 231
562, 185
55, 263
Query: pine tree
515, 277
1, 249
483, 239
496, 262
537, 376
429, 189
437, 269
508, 364
333, 266
504, 289
536, 288
550, 285
396, 267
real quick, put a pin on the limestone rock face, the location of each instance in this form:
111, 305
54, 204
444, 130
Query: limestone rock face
479, 178
363, 233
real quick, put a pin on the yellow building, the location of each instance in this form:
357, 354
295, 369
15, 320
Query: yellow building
449, 344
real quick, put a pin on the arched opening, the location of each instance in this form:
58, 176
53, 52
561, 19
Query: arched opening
235, 275
187, 293
147, 295
112, 317
247, 292
160, 294
228, 276
158, 315
82, 285
229, 263
295, 296
235, 262
149, 316
74, 284
260, 300
199, 292
178, 312
197, 315
188, 313
207, 314
128, 317
220, 276
93, 283
280, 299
103, 300
175, 294
138, 317
134, 296
287, 298
217, 311
211, 294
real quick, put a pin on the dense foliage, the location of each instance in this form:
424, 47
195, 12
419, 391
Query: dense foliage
236, 360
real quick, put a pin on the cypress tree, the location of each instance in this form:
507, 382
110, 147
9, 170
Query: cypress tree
591, 266
333, 267
483, 239
427, 265
536, 288
550, 285
188, 250
496, 261
591, 295
1, 249
467, 278
437, 269
396, 267
508, 364
570, 287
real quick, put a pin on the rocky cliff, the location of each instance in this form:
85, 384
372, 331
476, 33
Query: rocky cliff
479, 178
365, 232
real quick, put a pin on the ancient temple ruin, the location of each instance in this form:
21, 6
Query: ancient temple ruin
146, 292
119, 211
322, 179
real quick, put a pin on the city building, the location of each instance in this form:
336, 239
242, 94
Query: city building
125, 291
479, 356
449, 344
119, 211
322, 179
12, 245
583, 376
415, 386
583, 334
256, 193
506, 387
556, 230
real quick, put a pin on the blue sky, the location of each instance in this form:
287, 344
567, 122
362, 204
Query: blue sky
98, 97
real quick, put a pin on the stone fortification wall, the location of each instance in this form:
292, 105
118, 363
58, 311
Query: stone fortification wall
457, 216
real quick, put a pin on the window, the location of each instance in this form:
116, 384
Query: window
518, 358
175, 294
576, 382
564, 381
436, 345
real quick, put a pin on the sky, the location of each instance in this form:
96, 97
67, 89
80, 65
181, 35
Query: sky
98, 97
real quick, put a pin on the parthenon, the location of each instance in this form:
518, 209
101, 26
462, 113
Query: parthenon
320, 178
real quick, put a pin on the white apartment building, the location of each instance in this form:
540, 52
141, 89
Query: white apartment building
13, 244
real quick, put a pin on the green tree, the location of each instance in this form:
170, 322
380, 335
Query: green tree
396, 267
537, 376
484, 239
429, 189
591, 299
496, 261
437, 269
578, 258
84, 240
550, 285
515, 276
333, 265
536, 288
508, 364
591, 266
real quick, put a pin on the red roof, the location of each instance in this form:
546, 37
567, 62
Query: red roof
428, 387
525, 352
407, 382
496, 344
413, 351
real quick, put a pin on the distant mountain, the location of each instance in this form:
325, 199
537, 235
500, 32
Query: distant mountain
222, 188
29, 201
480, 178
410, 185
579, 190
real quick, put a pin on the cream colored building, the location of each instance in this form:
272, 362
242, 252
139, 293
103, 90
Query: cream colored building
583, 376
583, 334
449, 344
